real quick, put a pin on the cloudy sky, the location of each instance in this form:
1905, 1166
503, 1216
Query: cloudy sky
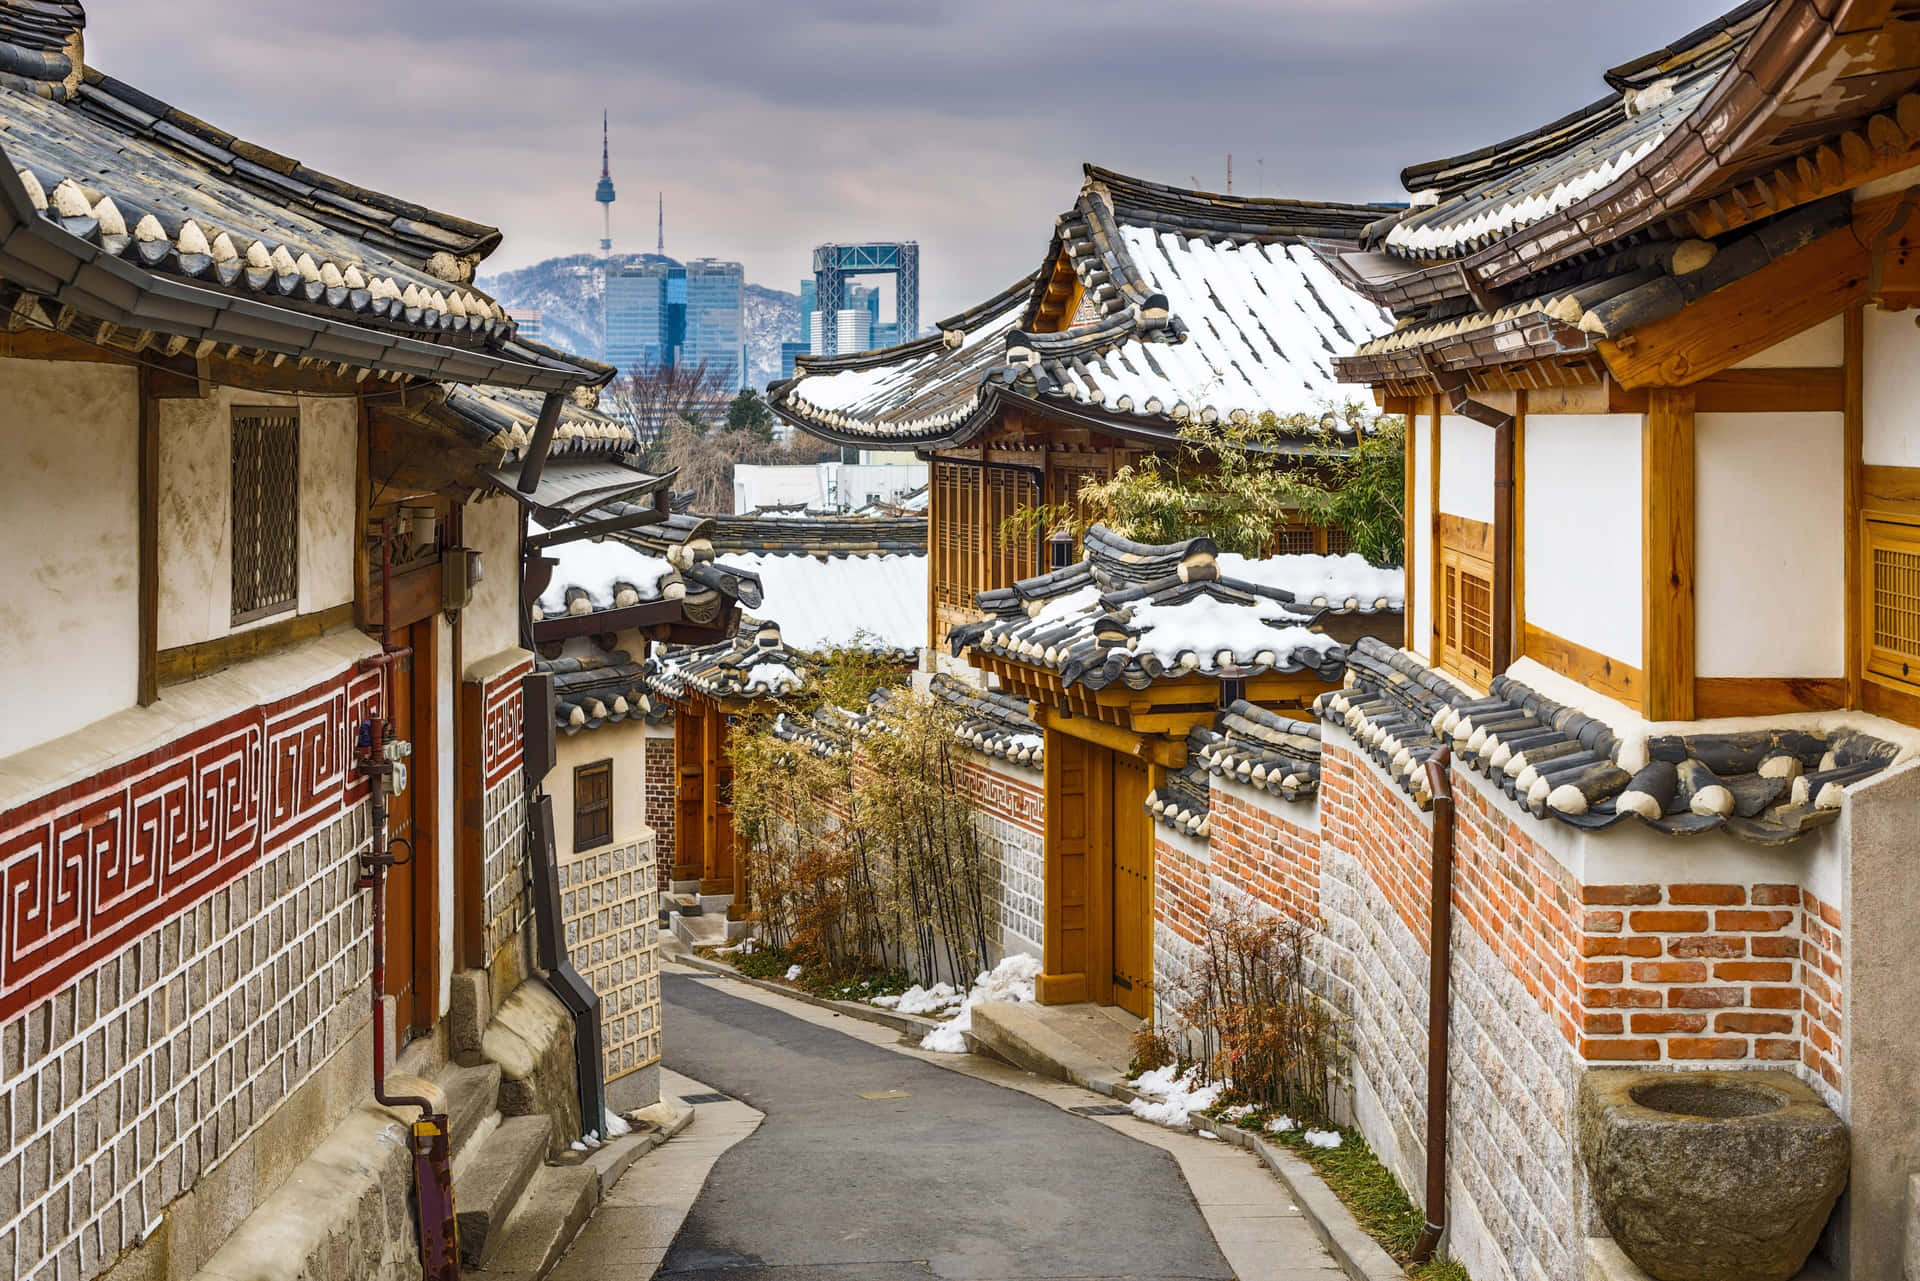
771, 125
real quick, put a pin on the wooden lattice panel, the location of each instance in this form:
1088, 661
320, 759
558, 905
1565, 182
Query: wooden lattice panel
1893, 600
266, 512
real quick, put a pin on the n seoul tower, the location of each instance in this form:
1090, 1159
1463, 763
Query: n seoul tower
604, 192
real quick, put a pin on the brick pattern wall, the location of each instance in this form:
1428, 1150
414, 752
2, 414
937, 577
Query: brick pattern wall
1383, 829
660, 806
504, 808
1182, 885
119, 1089
1259, 849
1690, 972
610, 905
1012, 813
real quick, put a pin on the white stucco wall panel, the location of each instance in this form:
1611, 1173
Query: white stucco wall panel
1890, 353
1822, 347
490, 624
70, 634
1420, 555
196, 510
1770, 549
1466, 468
1583, 530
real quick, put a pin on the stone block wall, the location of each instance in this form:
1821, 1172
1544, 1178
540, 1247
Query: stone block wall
610, 904
1012, 812
184, 948
1551, 976
508, 900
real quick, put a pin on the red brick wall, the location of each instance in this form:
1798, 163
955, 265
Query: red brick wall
1258, 850
1628, 973
1182, 896
660, 804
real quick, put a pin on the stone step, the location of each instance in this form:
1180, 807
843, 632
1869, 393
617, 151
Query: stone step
486, 1192
473, 1094
686, 887
558, 1203
684, 904
715, 904
700, 931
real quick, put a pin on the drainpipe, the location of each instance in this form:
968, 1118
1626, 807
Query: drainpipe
377, 754
1439, 1000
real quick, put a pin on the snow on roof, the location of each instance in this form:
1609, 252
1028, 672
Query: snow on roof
830, 603
1342, 583
593, 576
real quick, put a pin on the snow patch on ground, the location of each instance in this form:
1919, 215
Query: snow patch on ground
793, 972
1322, 1138
1011, 980
937, 999
1171, 1097
1281, 1124
615, 1126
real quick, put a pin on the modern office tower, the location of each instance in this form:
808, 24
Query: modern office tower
834, 265
526, 321
639, 318
788, 352
715, 319
854, 329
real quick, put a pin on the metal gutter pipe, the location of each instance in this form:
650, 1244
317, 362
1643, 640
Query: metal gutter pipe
1439, 1000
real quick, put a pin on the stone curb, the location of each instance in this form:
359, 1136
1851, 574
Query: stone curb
906, 1024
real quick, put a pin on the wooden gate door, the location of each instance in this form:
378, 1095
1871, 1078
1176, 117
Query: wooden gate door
1132, 888
717, 827
689, 819
410, 896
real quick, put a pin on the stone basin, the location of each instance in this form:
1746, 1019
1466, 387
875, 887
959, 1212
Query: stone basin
1711, 1176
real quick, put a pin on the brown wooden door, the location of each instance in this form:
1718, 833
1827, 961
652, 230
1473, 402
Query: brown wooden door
716, 814
1132, 888
409, 932
689, 819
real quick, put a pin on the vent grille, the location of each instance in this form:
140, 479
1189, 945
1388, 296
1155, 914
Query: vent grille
266, 513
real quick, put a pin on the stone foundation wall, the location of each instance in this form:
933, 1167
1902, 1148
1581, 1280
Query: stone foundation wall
610, 903
1012, 812
504, 810
184, 948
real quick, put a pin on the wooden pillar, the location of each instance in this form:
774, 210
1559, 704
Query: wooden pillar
1855, 342
717, 875
148, 470
1433, 531
1407, 539
1519, 554
1503, 545
1667, 549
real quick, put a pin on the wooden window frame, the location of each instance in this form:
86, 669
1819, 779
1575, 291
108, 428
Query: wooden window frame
1887, 667
1460, 550
251, 508
583, 810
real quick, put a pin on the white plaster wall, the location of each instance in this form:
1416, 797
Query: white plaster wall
1583, 530
1890, 427
69, 571
490, 623
444, 826
1420, 557
1822, 347
196, 520
625, 743
1770, 550
1466, 468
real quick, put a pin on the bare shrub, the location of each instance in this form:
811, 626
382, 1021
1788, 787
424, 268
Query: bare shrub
1256, 1020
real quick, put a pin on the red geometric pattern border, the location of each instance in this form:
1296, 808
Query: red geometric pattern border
504, 725
99, 864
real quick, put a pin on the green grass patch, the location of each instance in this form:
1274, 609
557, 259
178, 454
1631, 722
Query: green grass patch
1367, 1188
772, 964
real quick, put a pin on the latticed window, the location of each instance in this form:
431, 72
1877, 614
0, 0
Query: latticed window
593, 805
970, 504
1893, 603
266, 512
1295, 540
1339, 541
1466, 616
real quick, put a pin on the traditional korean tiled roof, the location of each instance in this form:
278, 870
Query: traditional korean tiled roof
1772, 107
991, 722
503, 418
595, 576
1136, 612
1183, 803
1269, 751
597, 689
753, 665
821, 536
827, 731
1193, 307
1766, 786
117, 208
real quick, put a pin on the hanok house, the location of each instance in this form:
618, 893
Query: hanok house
1155, 307
833, 584
255, 409
1661, 525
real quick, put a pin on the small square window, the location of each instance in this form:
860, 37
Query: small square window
266, 512
593, 805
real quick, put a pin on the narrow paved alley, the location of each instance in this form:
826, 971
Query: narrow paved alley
871, 1164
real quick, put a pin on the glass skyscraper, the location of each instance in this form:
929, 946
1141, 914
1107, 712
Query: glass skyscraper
661, 313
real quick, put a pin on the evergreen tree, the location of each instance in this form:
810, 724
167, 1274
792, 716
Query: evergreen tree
748, 413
